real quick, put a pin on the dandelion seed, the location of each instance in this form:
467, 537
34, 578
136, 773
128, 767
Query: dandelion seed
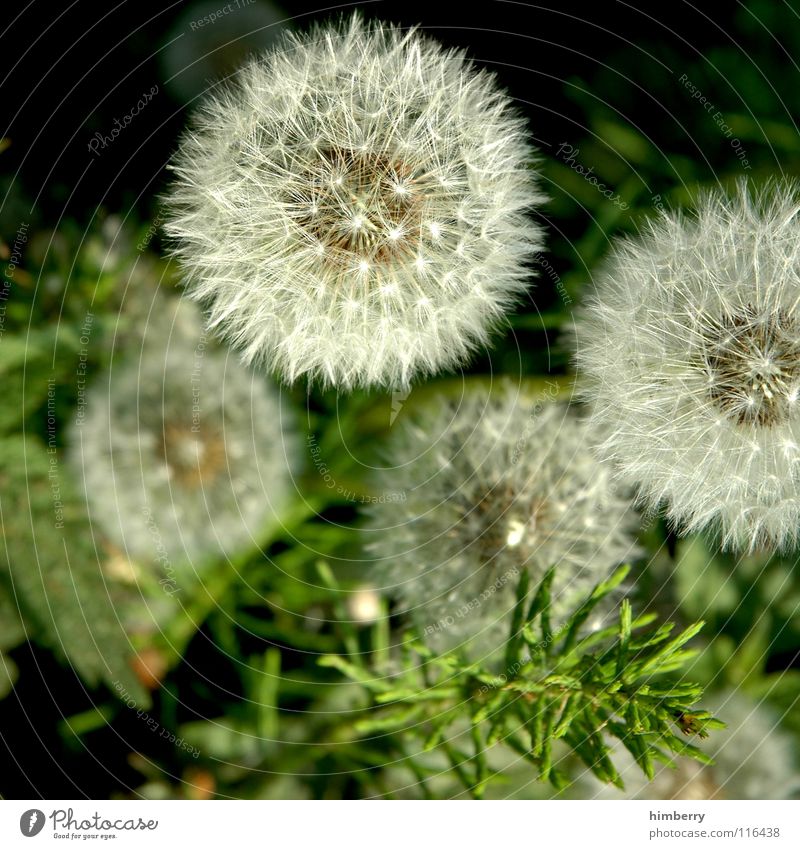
364, 605
313, 180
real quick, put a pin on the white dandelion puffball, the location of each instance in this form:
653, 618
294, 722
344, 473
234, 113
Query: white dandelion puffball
754, 758
485, 488
353, 208
690, 358
183, 453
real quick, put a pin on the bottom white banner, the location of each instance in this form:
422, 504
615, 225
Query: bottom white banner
388, 824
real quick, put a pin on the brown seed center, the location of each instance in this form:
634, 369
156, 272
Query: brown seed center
194, 457
361, 207
507, 527
754, 367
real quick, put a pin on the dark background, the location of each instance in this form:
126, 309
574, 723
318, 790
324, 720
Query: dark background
70, 70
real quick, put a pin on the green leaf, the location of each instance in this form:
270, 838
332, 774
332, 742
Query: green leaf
661, 658
581, 691
515, 636
50, 560
598, 594
625, 627
8, 675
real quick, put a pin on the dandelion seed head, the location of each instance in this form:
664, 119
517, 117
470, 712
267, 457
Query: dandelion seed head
754, 365
359, 162
690, 359
495, 485
183, 452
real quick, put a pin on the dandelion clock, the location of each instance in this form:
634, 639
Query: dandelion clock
690, 359
353, 207
493, 486
183, 454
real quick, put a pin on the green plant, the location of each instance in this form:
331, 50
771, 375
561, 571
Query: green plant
566, 685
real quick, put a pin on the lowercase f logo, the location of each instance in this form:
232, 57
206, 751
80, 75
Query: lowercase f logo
31, 822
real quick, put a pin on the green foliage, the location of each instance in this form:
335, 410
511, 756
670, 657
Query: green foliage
556, 685
25, 366
726, 588
51, 565
12, 632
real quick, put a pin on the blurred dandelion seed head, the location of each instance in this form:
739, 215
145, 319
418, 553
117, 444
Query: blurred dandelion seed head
496, 484
183, 453
355, 208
